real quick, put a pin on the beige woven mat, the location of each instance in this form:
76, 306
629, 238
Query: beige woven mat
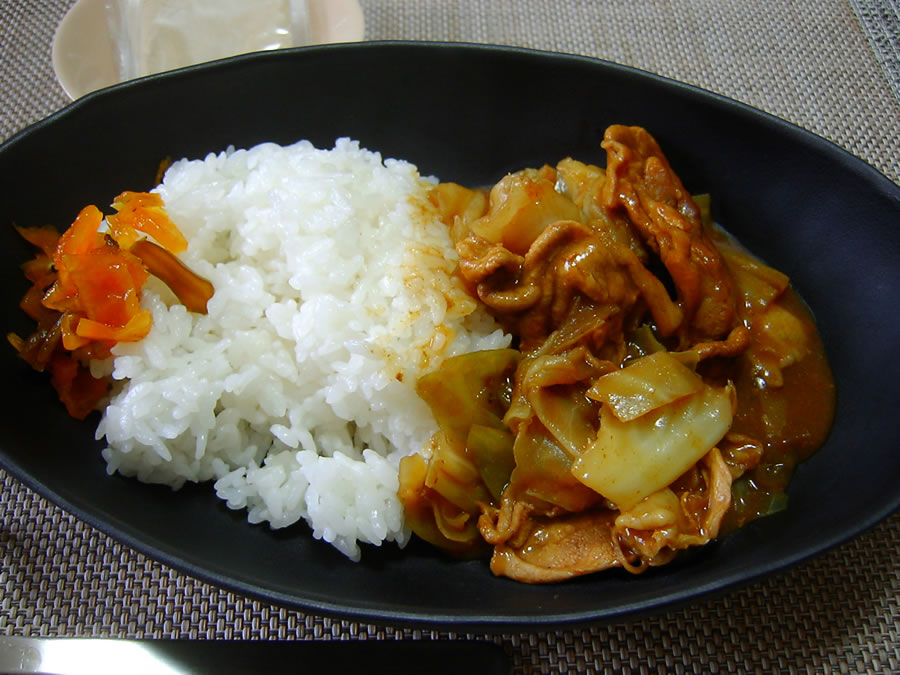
830, 66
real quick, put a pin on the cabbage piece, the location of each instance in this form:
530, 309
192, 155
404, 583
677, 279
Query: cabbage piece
491, 451
466, 390
432, 517
458, 206
758, 284
550, 387
631, 460
543, 474
452, 475
554, 423
442, 496
645, 384
522, 204
659, 510
567, 415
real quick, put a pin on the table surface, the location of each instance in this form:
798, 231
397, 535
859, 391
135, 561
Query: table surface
830, 66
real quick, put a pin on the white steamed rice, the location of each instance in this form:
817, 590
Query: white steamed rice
334, 293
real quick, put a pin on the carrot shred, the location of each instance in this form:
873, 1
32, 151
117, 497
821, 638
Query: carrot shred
144, 212
135, 329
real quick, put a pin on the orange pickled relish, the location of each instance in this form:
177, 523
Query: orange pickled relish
79, 391
193, 291
108, 284
144, 212
85, 293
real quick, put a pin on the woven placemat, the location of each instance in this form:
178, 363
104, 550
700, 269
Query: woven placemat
825, 65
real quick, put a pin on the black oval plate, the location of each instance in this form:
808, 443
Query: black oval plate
468, 114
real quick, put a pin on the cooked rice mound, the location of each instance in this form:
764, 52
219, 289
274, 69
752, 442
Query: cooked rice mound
334, 293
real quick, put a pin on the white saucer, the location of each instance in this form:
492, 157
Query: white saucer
84, 53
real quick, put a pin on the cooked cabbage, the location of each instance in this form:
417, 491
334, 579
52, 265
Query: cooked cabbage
631, 460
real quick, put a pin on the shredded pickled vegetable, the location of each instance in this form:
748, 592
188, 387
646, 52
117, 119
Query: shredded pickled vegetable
85, 293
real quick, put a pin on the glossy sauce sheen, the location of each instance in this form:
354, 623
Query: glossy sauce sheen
792, 421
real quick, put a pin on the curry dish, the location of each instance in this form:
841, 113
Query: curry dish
663, 385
